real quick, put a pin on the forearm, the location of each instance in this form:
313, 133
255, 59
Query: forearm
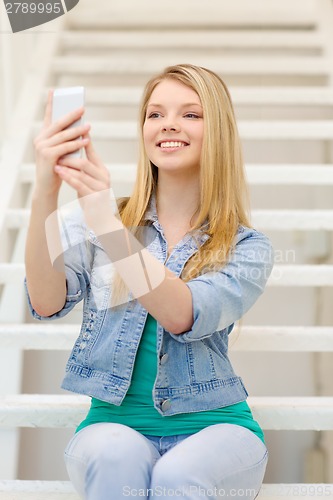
46, 284
165, 296
171, 301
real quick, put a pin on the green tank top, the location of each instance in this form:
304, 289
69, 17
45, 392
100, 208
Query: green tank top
137, 409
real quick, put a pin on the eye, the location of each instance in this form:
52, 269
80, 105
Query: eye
154, 115
192, 115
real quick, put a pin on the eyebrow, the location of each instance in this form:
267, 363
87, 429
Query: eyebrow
183, 105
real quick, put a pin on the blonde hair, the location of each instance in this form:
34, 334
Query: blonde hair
224, 200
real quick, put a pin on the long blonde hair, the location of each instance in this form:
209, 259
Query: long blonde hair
224, 200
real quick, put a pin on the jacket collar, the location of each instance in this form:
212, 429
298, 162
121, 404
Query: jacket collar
151, 211
151, 215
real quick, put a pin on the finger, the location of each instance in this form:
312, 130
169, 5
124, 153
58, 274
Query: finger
48, 109
63, 123
69, 134
93, 183
75, 163
72, 179
79, 180
91, 153
69, 118
67, 147
100, 175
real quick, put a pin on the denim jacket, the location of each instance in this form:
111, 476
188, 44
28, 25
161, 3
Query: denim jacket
194, 371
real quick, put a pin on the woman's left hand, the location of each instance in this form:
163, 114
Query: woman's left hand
85, 175
91, 180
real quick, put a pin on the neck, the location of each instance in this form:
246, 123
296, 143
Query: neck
177, 199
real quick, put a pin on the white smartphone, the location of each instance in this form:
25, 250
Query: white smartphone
66, 100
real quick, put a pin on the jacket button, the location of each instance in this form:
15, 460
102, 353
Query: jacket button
164, 359
166, 405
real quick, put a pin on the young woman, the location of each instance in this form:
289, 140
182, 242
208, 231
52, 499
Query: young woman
168, 414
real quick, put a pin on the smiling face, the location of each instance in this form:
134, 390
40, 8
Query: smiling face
173, 127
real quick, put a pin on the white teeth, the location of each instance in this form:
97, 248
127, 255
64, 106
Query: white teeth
172, 144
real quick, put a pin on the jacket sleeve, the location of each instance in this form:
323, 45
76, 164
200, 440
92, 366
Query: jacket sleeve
78, 256
219, 298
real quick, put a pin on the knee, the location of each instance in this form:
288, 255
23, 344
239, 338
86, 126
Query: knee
111, 444
120, 444
105, 457
172, 474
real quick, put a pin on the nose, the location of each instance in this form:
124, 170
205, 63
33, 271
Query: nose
173, 128
170, 125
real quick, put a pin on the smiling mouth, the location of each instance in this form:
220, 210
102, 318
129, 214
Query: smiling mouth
172, 144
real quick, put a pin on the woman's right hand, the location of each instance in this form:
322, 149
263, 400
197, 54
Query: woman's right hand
53, 142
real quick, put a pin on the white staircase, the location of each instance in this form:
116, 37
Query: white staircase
277, 59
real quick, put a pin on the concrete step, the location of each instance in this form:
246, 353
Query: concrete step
292, 220
271, 103
282, 275
273, 220
307, 175
61, 337
294, 96
301, 275
254, 130
63, 490
193, 14
37, 490
192, 39
275, 413
264, 65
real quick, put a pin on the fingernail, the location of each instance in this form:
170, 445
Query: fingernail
58, 168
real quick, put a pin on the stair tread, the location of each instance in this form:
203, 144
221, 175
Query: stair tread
220, 13
138, 38
263, 219
36, 410
248, 129
235, 65
65, 490
318, 174
240, 95
307, 275
54, 336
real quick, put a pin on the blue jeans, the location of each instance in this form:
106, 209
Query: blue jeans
108, 461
